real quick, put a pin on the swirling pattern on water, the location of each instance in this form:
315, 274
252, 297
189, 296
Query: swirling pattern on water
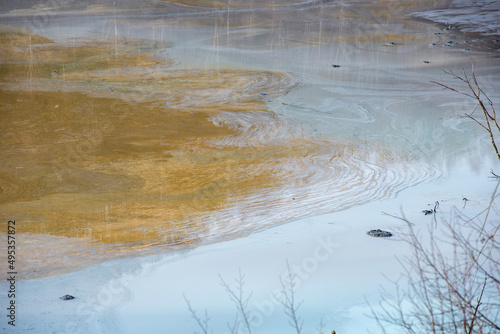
125, 160
320, 176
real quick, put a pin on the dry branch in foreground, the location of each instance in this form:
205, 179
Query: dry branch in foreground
488, 120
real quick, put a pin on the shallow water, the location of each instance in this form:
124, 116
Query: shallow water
141, 128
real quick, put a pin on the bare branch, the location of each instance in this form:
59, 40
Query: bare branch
477, 307
233, 328
443, 291
239, 299
477, 93
287, 298
202, 322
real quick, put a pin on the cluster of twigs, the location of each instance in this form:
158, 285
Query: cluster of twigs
475, 92
452, 280
242, 320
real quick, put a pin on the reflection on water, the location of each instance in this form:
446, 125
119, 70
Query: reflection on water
112, 148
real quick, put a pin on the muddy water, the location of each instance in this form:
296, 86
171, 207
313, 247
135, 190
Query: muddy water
126, 134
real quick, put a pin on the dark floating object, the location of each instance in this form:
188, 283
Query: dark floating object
426, 62
390, 43
67, 297
378, 233
465, 199
335, 66
450, 43
434, 210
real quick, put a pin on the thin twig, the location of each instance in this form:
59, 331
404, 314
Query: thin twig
287, 299
239, 299
203, 323
474, 316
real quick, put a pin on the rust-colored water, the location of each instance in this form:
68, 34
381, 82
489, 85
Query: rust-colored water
111, 148
104, 146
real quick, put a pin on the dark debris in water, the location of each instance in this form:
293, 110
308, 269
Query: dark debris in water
434, 210
67, 297
378, 233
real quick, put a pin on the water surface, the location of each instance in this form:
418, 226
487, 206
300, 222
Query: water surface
138, 128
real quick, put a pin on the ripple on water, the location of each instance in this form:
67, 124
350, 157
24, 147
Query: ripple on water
132, 158
316, 176
243, 3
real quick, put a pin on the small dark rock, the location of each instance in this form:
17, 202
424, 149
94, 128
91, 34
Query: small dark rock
67, 297
379, 233
450, 43
335, 66
428, 212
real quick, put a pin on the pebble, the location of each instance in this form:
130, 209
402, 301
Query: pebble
67, 297
378, 233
